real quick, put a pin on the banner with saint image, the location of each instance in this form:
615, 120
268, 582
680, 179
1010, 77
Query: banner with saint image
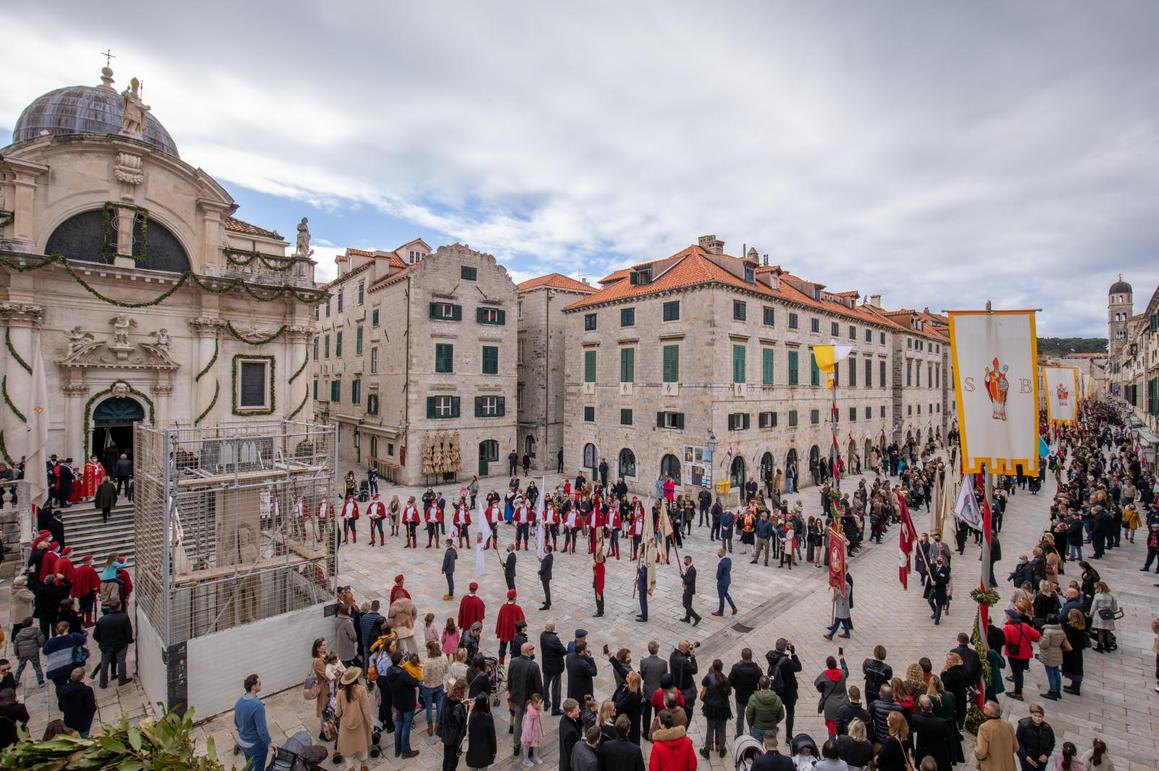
1062, 385
994, 355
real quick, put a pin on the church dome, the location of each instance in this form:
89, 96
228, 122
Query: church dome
85, 110
1120, 287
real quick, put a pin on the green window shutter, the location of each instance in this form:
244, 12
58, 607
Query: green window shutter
478, 406
434, 310
671, 364
738, 364
500, 406
454, 406
490, 360
815, 371
767, 358
502, 317
444, 357
430, 407
589, 366
794, 368
678, 420
627, 365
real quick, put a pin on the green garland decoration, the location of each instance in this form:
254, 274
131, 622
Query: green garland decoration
106, 392
8, 401
212, 361
6, 218
237, 357
212, 402
974, 716
13, 353
254, 340
299, 370
4, 451
301, 406
241, 258
308, 297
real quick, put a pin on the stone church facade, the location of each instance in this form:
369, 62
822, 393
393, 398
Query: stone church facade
124, 267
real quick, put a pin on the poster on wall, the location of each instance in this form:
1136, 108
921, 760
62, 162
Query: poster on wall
995, 356
697, 466
1061, 385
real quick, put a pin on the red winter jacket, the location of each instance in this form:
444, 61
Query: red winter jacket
672, 750
1019, 639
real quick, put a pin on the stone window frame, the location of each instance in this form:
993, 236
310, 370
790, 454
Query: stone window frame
264, 409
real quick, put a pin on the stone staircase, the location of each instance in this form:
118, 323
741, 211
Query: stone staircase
87, 534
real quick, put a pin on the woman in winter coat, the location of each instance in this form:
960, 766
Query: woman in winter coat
453, 724
481, 742
355, 721
1046, 602
716, 707
318, 654
671, 747
21, 603
1075, 628
1103, 602
1050, 652
954, 681
630, 702
402, 617
944, 707
831, 685
346, 639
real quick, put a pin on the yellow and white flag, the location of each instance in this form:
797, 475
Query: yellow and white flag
1061, 384
995, 357
827, 356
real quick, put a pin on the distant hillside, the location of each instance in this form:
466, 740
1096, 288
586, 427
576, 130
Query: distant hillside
1060, 346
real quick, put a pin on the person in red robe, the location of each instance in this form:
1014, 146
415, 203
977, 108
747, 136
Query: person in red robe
126, 582
505, 626
94, 474
598, 568
398, 590
471, 608
85, 587
64, 564
48, 562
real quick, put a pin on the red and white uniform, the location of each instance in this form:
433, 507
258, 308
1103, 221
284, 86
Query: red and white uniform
574, 519
550, 515
462, 515
493, 514
637, 528
410, 514
376, 510
617, 519
350, 509
522, 514
94, 474
325, 510
432, 517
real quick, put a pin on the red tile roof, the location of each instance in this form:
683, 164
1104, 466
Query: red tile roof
234, 225
556, 281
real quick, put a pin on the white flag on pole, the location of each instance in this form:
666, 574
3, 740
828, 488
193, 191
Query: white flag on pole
966, 509
540, 535
483, 534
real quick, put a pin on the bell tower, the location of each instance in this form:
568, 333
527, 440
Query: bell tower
1119, 309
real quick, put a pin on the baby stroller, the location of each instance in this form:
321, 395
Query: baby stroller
804, 742
299, 754
498, 679
745, 750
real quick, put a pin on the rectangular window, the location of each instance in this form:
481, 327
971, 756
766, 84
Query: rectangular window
909, 410
315, 389
442, 407
625, 417
881, 373
327, 307
814, 416
767, 420
852, 372
909, 343
792, 418
918, 375
868, 413
868, 373
739, 310
815, 325
919, 409
589, 414
671, 367
336, 391
590, 366
769, 316
444, 357
446, 312
254, 385
361, 292
852, 414
339, 300
814, 370
338, 345
794, 369
358, 340
794, 322
496, 317
490, 360
374, 359
372, 405
671, 310
883, 410
374, 318
627, 365
670, 420
519, 352
882, 338
768, 356
834, 328
490, 407
738, 421
869, 335
589, 322
909, 372
356, 391
468, 273
738, 364
627, 317
852, 332
326, 347
317, 348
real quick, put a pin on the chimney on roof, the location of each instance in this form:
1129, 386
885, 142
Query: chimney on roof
926, 309
766, 261
711, 244
875, 300
752, 255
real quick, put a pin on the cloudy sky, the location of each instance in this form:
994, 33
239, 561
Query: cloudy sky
940, 154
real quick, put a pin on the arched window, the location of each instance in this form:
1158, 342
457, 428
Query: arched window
591, 459
670, 467
736, 473
627, 463
529, 445
88, 236
767, 468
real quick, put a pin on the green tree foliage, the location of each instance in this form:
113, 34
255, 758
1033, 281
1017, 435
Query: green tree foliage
1060, 346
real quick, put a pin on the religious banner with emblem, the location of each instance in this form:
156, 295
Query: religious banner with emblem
836, 559
994, 356
1062, 385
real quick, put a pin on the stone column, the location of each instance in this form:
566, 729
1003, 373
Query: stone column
21, 324
206, 330
294, 352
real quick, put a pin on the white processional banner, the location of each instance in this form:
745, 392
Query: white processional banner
1061, 384
995, 357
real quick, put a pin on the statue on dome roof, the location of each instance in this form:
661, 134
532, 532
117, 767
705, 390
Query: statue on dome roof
133, 120
303, 249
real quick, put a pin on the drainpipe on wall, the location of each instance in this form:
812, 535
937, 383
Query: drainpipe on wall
406, 374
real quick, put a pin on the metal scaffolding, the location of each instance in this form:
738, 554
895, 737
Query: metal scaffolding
227, 522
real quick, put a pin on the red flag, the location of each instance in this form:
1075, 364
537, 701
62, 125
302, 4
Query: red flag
908, 536
837, 560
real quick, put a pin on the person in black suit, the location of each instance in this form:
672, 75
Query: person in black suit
933, 734
642, 591
688, 577
545, 575
581, 669
620, 754
553, 655
509, 567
